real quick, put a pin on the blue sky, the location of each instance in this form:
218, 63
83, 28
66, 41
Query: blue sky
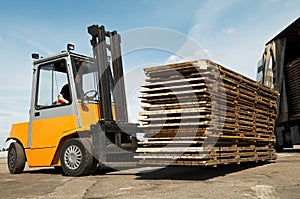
232, 33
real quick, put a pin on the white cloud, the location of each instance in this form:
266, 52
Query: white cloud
196, 55
3, 136
205, 21
7, 118
13, 109
234, 39
287, 4
5, 114
174, 59
34, 44
191, 50
228, 30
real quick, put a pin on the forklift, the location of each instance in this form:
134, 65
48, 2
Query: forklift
89, 129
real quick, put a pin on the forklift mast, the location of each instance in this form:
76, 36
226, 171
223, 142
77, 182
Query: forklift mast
100, 50
113, 140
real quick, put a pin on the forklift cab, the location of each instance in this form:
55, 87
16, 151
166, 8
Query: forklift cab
50, 119
55, 78
67, 74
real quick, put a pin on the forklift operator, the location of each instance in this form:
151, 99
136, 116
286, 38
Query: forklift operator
64, 97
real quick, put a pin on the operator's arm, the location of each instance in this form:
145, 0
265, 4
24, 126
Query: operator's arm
62, 100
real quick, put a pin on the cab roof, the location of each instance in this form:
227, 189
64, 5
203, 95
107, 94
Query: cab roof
78, 57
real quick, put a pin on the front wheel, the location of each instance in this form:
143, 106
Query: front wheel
16, 158
75, 157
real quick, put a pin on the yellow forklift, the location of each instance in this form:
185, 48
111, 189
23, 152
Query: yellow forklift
78, 114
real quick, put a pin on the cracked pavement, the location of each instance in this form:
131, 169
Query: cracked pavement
272, 180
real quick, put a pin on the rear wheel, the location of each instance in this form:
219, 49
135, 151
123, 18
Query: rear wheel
16, 158
75, 157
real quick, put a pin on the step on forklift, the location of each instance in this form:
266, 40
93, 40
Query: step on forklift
78, 115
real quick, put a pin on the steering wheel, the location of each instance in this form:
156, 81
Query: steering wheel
95, 93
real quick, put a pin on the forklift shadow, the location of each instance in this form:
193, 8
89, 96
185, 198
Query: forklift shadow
166, 173
196, 173
48, 171
58, 171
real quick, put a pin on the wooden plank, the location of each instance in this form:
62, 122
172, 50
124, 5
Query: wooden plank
174, 88
176, 81
173, 111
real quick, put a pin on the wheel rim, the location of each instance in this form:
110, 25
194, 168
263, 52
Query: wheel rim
73, 157
12, 158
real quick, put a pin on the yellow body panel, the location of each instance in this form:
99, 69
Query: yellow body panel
20, 132
89, 114
48, 132
40, 157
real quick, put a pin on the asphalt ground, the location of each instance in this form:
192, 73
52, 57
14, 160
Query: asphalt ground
280, 179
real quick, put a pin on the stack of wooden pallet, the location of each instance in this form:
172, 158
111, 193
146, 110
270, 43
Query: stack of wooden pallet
200, 113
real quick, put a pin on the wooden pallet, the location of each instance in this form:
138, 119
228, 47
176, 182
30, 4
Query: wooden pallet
207, 156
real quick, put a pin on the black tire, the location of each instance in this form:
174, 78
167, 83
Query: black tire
94, 167
16, 158
76, 158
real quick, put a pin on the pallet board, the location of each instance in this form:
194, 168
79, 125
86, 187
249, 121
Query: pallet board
200, 113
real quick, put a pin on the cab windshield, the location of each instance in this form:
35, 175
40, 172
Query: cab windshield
86, 78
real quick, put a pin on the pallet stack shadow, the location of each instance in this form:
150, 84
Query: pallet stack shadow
200, 113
